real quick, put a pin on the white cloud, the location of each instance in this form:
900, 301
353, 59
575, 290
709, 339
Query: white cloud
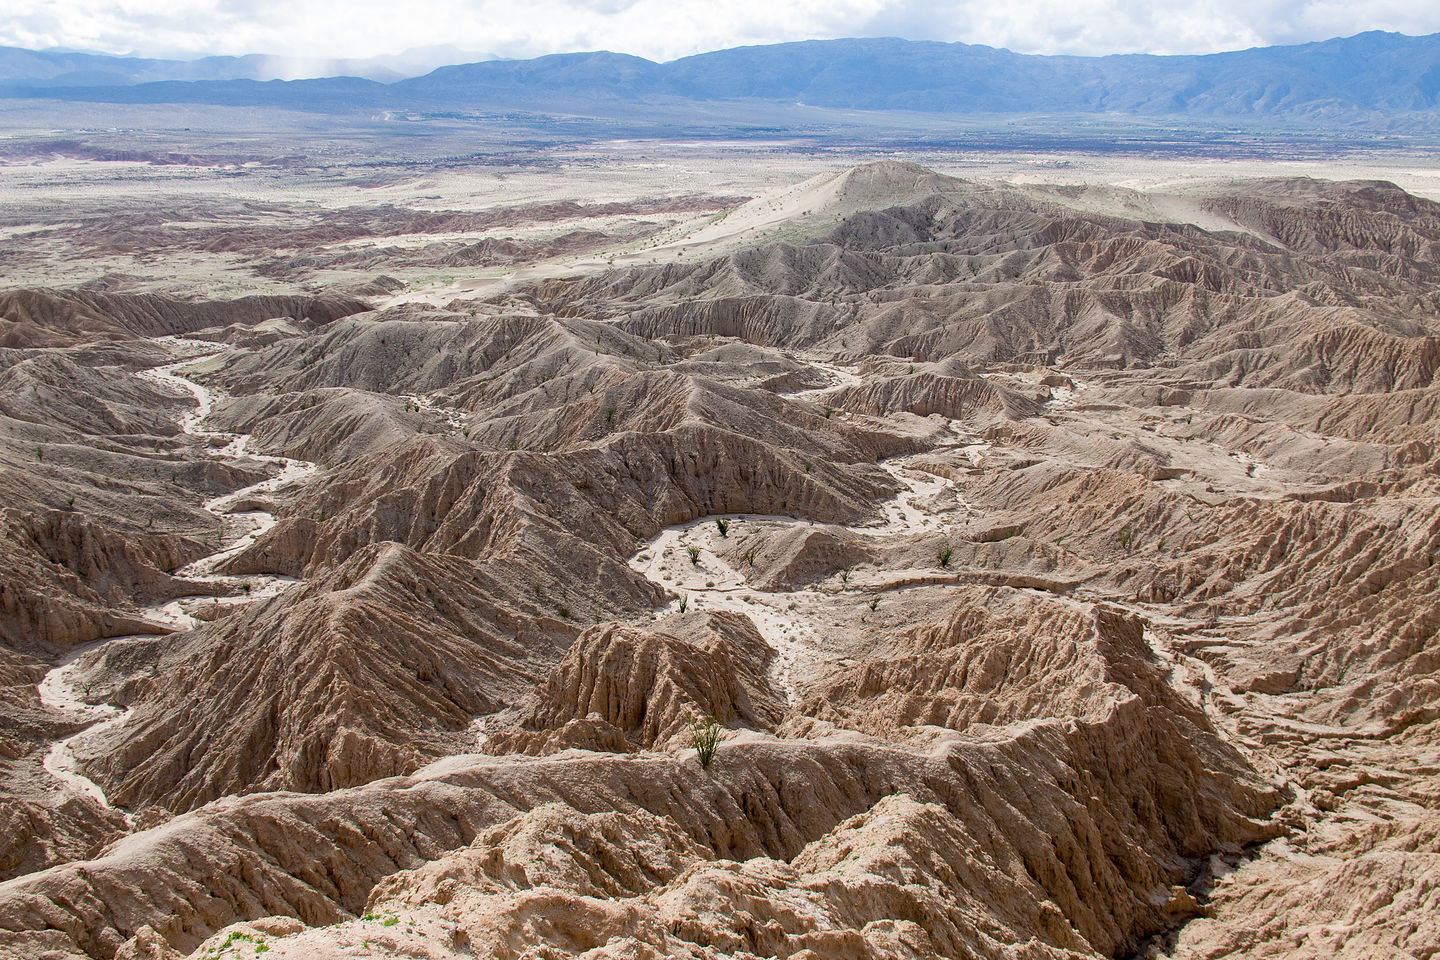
664, 29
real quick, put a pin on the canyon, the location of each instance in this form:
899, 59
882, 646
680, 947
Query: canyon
1056, 556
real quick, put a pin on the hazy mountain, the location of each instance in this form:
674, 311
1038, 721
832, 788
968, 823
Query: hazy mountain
1370, 72
64, 68
1367, 76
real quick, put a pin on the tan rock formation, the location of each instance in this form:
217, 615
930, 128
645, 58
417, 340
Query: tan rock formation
642, 689
1072, 592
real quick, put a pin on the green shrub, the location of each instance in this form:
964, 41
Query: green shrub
704, 735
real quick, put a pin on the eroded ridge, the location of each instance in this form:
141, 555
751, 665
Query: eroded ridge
240, 525
1052, 564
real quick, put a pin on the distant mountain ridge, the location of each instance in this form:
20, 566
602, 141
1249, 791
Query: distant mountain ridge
67, 68
1365, 76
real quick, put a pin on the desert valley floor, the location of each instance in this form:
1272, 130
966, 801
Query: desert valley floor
1055, 541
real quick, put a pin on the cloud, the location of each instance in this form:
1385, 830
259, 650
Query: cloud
665, 29
1097, 27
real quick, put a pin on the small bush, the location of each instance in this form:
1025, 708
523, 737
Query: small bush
694, 553
750, 556
704, 735
874, 602
944, 555
723, 526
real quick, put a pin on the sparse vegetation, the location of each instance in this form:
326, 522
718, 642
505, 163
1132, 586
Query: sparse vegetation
944, 554
684, 602
694, 554
723, 526
874, 603
704, 736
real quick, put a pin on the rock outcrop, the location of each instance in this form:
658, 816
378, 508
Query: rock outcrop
639, 689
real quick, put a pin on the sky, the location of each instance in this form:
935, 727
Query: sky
667, 29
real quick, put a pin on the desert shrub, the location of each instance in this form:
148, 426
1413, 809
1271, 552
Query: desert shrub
704, 736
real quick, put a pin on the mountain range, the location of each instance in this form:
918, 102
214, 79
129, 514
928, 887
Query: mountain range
1364, 77
71, 68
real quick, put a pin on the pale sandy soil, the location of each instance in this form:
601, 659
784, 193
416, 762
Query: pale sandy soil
786, 184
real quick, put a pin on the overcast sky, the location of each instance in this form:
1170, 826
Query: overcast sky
666, 29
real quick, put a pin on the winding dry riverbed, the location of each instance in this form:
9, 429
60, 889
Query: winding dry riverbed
240, 524
793, 622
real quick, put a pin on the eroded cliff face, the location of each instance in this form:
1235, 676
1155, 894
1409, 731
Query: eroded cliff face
1062, 584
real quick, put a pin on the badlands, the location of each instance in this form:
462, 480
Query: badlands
1056, 554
